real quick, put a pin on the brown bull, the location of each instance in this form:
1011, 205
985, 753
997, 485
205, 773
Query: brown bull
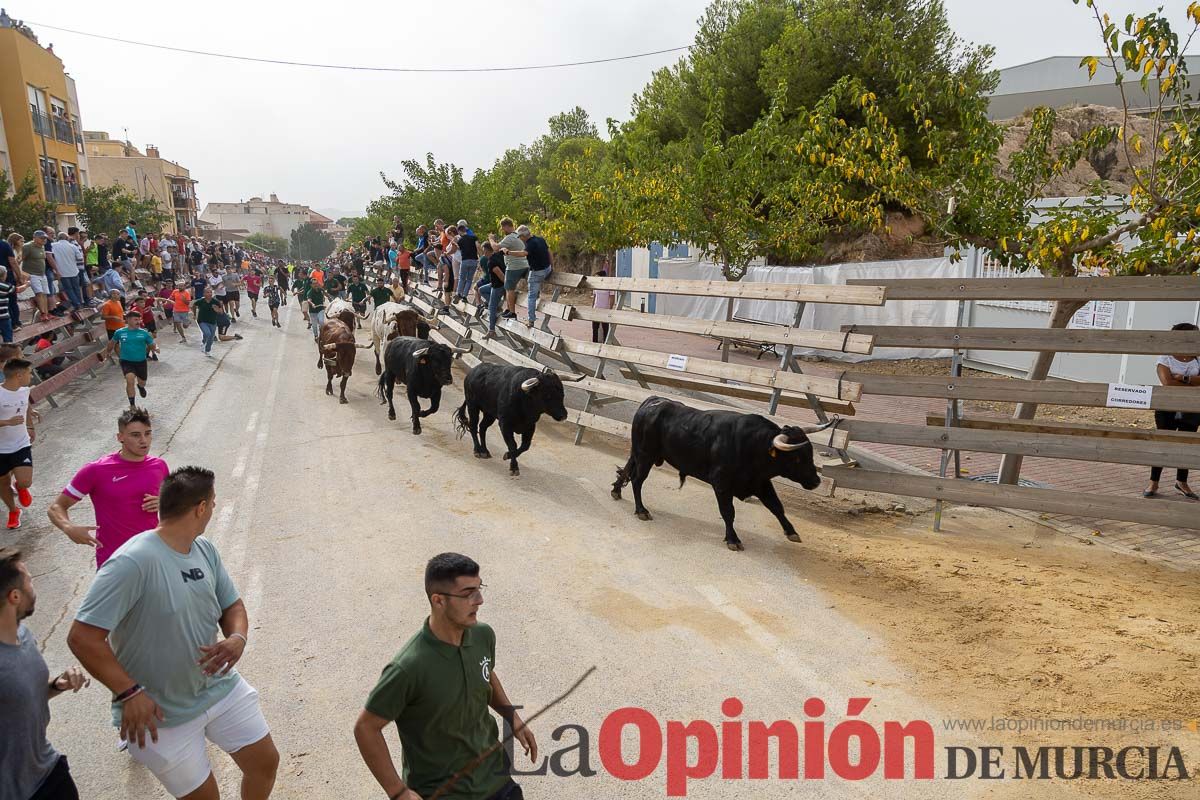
336, 353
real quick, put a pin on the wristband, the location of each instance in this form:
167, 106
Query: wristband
128, 693
240, 636
397, 794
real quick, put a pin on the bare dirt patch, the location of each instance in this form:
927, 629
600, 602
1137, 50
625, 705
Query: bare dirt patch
1001, 617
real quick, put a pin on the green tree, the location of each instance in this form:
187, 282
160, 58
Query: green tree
107, 209
274, 246
310, 244
21, 208
348, 222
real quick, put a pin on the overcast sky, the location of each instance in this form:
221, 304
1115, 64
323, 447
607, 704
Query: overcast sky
320, 137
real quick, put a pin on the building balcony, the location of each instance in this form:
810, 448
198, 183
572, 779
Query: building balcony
41, 124
62, 130
71, 194
53, 191
183, 201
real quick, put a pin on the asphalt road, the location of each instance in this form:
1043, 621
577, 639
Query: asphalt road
326, 515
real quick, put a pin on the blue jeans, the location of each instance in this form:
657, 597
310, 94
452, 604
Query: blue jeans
14, 309
536, 278
6, 329
74, 290
493, 295
466, 275
209, 332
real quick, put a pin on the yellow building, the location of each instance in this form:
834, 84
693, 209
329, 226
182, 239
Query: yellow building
42, 134
147, 175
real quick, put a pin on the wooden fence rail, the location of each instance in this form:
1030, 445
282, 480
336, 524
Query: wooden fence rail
1151, 287
783, 292
1059, 340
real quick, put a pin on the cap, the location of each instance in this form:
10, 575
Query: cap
39, 234
462, 223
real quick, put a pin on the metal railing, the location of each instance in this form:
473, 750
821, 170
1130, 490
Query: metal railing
54, 191
41, 123
62, 130
71, 193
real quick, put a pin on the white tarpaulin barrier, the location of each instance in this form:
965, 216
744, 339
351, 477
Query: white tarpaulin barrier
823, 316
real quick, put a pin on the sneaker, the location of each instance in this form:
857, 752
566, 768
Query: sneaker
142, 390
238, 336
24, 497
122, 745
508, 315
14, 519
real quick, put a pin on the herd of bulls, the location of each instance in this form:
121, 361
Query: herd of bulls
736, 454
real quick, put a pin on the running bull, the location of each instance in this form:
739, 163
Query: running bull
336, 353
514, 398
736, 454
423, 367
396, 319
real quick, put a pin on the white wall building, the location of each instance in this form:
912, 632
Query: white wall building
270, 217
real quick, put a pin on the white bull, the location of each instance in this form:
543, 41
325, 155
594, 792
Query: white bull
391, 320
336, 307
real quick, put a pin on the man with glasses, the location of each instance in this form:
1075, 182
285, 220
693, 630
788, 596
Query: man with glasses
438, 690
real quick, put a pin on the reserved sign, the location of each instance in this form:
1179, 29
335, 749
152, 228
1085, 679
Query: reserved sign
1129, 395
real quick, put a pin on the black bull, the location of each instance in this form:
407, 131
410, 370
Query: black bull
736, 454
423, 367
513, 397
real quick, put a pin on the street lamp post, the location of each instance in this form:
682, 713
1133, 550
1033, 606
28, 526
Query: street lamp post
45, 159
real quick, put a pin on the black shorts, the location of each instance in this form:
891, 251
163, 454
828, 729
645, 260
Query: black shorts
252, 295
138, 368
111, 333
21, 458
151, 326
232, 297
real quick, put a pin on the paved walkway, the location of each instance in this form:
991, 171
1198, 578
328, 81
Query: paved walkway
1177, 546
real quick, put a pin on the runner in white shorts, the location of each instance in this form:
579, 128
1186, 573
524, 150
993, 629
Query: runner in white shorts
148, 631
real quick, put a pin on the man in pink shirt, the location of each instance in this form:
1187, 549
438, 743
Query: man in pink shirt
123, 487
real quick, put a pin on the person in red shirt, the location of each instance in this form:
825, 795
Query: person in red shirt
145, 305
253, 285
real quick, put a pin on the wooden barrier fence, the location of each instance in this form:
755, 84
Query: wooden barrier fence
710, 384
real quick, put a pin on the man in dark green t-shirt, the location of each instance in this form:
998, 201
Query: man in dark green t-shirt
381, 294
208, 310
438, 690
358, 294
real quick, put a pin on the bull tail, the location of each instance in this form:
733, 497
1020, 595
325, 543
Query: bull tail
624, 476
379, 392
682, 478
460, 420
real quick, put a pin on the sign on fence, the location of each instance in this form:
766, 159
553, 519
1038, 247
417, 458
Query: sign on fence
677, 362
1097, 314
1128, 395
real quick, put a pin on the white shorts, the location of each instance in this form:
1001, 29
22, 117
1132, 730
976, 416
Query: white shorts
39, 284
179, 759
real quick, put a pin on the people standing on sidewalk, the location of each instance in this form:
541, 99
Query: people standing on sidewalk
437, 690
33, 769
1176, 370
123, 487
515, 267
601, 299
146, 630
34, 264
132, 345
468, 247
16, 439
493, 291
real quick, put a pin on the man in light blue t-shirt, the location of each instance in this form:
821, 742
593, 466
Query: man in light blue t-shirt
148, 631
133, 344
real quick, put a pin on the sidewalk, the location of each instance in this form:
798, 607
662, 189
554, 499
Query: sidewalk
1177, 546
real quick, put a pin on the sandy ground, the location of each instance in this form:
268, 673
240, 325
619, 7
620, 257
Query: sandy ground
327, 513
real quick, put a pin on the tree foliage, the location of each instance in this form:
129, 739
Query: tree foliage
107, 209
21, 208
310, 243
274, 246
1150, 230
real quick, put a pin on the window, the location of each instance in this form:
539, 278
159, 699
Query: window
37, 103
58, 108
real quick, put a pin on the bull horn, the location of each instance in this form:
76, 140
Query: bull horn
421, 352
463, 350
782, 444
329, 347
529, 385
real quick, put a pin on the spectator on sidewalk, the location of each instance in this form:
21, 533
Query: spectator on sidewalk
32, 767
66, 257
35, 263
1176, 370
601, 299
